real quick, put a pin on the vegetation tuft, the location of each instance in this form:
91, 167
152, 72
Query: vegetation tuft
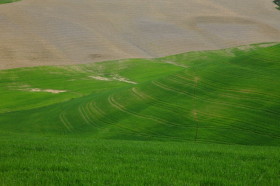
277, 2
7, 1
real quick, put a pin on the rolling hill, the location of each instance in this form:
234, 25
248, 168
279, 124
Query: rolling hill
197, 118
228, 96
153, 92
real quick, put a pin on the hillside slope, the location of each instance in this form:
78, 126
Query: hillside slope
53, 32
228, 96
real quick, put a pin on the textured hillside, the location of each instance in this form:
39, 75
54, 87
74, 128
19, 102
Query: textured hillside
52, 32
227, 96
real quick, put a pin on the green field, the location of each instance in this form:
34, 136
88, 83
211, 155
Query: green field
199, 118
69, 161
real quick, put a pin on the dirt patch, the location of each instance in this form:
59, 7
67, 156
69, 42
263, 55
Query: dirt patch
114, 78
122, 79
100, 78
47, 90
53, 91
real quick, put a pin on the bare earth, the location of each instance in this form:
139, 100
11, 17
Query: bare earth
56, 32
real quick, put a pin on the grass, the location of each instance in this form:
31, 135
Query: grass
69, 161
7, 1
184, 118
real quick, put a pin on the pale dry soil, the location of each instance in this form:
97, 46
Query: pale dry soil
58, 32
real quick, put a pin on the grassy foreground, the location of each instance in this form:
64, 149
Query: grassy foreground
174, 120
65, 161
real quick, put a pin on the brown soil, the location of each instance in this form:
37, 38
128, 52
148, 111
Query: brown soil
56, 32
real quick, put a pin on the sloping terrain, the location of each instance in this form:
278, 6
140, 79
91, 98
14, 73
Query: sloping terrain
207, 117
198, 118
53, 32
227, 96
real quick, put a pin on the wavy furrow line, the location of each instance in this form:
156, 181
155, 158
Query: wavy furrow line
84, 115
89, 113
195, 115
87, 118
118, 106
216, 116
65, 122
162, 86
138, 93
154, 102
213, 84
228, 92
149, 134
229, 119
235, 97
257, 72
93, 105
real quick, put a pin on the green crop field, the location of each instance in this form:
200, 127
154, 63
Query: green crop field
199, 118
76, 161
